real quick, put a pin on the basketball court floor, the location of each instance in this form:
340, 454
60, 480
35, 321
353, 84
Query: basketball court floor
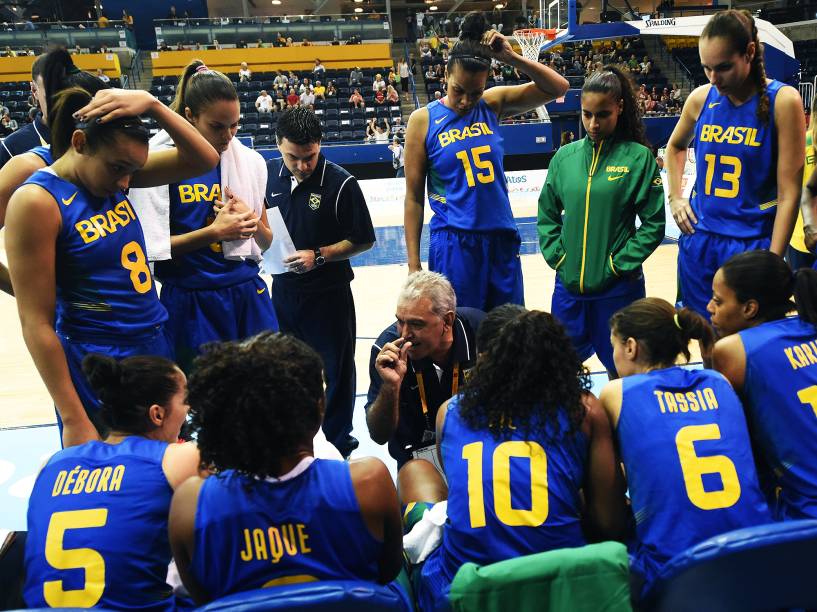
28, 433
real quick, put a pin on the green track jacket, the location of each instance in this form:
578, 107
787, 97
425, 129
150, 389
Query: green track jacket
600, 188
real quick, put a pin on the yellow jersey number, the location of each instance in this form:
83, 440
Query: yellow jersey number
808, 396
732, 177
86, 559
134, 260
694, 467
482, 164
513, 517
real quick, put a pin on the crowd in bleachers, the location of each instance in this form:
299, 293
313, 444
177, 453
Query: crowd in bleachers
353, 105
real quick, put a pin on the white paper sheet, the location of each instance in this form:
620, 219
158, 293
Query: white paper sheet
282, 245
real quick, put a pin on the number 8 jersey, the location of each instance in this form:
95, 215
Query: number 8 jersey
736, 167
688, 460
466, 179
104, 285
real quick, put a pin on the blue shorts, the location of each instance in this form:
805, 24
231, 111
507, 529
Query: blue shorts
587, 317
699, 257
75, 349
199, 316
483, 267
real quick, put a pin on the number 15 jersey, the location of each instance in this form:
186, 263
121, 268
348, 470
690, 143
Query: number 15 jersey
104, 285
466, 179
736, 166
688, 460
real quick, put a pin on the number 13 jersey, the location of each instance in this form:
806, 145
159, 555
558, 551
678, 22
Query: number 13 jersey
466, 179
736, 166
688, 460
104, 285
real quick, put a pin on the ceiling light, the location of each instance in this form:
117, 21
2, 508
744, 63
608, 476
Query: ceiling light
434, 8
358, 10
276, 2
358, 1
499, 6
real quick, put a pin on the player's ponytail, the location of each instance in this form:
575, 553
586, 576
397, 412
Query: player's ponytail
738, 27
128, 388
63, 125
199, 87
613, 81
764, 277
58, 72
528, 392
469, 53
805, 294
662, 332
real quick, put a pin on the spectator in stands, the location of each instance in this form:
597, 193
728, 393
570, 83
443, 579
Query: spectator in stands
242, 44
319, 70
645, 66
292, 98
179, 46
392, 96
378, 82
103, 21
633, 64
675, 94
280, 80
288, 42
5, 127
397, 128
319, 91
307, 98
102, 76
292, 79
379, 97
381, 132
642, 93
76, 51
335, 42
260, 44
509, 73
306, 85
425, 53
244, 73
259, 439
280, 98
431, 74
164, 47
654, 94
127, 18
171, 13
331, 90
305, 43
403, 72
496, 74
371, 129
391, 78
438, 95
263, 103
355, 77
356, 100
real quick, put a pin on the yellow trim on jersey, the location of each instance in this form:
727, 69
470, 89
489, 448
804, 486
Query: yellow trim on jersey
798, 237
298, 579
768, 205
593, 164
560, 262
438, 198
612, 267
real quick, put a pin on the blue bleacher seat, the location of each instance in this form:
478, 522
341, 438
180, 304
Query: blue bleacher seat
768, 567
329, 596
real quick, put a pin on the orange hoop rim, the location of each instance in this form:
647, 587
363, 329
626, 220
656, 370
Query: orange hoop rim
550, 33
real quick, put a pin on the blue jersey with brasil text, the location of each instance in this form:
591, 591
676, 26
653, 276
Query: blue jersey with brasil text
191, 208
688, 460
97, 529
780, 388
104, 285
511, 495
736, 159
466, 178
252, 534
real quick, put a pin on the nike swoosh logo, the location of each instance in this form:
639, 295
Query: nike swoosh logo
67, 201
260, 291
438, 121
274, 195
713, 104
615, 178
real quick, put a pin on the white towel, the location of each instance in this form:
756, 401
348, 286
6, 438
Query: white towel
426, 534
152, 206
244, 172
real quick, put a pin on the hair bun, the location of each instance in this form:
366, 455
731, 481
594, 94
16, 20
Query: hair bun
103, 373
474, 26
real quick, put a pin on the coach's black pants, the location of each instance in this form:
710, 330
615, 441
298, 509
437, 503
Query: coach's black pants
326, 322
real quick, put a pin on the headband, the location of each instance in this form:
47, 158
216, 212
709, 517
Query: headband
202, 68
471, 56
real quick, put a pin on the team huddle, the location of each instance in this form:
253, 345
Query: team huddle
502, 450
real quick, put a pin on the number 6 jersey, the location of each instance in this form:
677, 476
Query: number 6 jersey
688, 460
736, 167
104, 285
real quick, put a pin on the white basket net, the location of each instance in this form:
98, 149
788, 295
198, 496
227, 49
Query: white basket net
531, 41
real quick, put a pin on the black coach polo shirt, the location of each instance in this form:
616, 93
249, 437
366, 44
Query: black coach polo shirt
30, 135
412, 421
324, 209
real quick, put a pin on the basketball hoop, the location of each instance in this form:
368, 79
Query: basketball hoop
531, 40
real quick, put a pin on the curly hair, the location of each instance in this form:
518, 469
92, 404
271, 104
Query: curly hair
254, 403
525, 376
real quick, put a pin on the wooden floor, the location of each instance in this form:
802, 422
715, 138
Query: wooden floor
24, 400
